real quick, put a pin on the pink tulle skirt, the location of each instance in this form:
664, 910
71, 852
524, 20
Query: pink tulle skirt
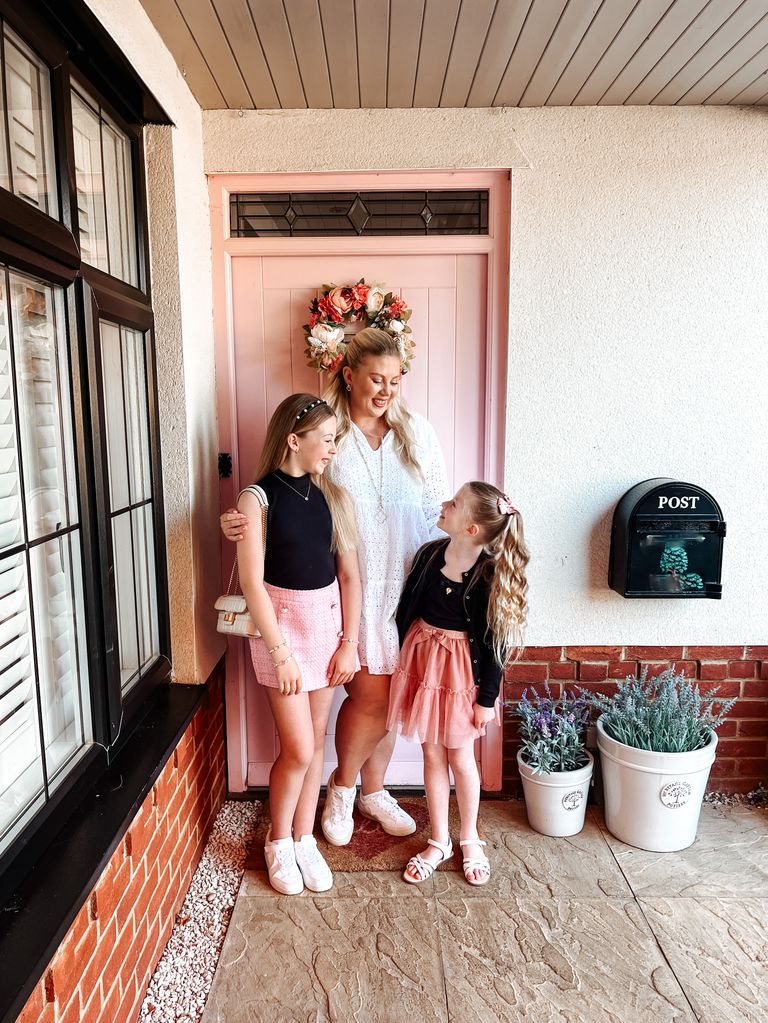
433, 690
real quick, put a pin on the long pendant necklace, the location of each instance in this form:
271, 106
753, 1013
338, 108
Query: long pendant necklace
381, 514
304, 497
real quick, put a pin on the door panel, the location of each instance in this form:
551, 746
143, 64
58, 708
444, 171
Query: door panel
270, 296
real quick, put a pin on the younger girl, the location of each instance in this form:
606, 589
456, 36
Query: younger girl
303, 591
462, 611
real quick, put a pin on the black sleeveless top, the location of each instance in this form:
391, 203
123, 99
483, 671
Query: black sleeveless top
298, 554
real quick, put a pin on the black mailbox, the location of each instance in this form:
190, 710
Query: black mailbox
666, 541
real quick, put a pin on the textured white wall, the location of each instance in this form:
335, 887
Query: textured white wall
637, 333
182, 300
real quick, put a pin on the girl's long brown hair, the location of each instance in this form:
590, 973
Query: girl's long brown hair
503, 537
275, 452
372, 341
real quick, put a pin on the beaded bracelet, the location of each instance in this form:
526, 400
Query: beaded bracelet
279, 664
272, 650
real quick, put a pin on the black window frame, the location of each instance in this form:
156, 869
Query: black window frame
67, 38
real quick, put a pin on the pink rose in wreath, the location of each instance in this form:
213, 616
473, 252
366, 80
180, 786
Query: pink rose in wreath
329, 311
359, 296
341, 300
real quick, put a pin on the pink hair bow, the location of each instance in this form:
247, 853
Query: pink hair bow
505, 506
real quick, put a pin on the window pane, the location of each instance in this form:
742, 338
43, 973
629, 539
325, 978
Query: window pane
114, 415
137, 418
42, 388
30, 128
104, 191
11, 526
122, 547
144, 548
58, 608
21, 766
90, 184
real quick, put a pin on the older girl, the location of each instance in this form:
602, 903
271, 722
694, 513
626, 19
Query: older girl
302, 588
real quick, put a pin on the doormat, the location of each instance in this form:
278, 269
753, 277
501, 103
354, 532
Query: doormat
371, 847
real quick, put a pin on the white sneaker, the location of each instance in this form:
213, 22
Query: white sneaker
385, 809
284, 874
315, 871
337, 820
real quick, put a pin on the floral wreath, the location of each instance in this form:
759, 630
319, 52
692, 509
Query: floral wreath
367, 303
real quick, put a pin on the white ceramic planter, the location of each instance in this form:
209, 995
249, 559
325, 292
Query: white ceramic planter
556, 803
653, 800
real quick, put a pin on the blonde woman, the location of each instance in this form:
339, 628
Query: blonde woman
462, 612
389, 461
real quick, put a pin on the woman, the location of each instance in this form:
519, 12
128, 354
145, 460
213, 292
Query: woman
389, 460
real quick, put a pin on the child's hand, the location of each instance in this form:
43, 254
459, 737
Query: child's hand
289, 677
483, 715
233, 524
343, 664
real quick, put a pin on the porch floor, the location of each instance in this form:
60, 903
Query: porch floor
583, 930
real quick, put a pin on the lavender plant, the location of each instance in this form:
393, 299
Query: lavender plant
552, 731
666, 714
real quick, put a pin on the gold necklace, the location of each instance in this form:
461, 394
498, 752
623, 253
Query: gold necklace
381, 513
302, 496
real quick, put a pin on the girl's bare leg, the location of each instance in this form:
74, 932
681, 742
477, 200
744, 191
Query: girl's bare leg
306, 807
464, 766
438, 788
293, 720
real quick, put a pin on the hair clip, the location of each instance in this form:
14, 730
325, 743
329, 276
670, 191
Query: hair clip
308, 408
505, 506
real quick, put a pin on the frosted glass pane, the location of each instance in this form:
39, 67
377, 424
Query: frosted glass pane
118, 189
146, 584
137, 414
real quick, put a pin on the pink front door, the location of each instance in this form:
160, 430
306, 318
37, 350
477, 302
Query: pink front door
263, 292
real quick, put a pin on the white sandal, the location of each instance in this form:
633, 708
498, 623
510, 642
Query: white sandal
475, 863
423, 867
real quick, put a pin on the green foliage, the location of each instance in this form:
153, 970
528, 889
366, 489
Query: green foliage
666, 714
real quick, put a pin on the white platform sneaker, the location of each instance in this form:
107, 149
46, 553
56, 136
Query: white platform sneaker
385, 809
337, 820
284, 874
315, 871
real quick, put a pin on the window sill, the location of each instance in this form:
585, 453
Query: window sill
35, 919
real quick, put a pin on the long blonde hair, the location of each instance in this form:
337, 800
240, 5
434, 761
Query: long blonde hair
375, 342
503, 537
276, 450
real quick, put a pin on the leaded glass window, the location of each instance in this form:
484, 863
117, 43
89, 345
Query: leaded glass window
306, 214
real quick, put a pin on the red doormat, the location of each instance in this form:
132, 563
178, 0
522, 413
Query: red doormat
371, 848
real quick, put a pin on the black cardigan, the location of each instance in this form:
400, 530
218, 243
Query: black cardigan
485, 667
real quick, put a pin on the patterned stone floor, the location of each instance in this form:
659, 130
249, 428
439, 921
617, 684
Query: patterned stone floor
580, 930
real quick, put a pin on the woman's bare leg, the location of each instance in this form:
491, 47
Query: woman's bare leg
360, 728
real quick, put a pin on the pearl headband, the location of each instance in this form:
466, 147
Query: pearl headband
308, 408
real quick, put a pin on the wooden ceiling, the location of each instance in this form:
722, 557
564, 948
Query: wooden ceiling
467, 53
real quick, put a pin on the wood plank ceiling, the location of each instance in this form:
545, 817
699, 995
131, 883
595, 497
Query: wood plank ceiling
467, 53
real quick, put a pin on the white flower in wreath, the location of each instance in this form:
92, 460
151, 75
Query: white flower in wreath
325, 337
375, 299
396, 326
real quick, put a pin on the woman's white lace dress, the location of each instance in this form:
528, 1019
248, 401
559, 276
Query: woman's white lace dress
388, 538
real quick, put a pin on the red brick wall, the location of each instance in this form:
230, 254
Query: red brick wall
103, 966
742, 671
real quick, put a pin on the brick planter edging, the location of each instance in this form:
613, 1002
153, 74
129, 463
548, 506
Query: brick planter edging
741, 671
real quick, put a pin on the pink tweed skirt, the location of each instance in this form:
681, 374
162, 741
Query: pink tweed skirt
433, 691
310, 621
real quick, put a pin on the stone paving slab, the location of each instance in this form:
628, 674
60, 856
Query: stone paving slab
718, 949
329, 959
579, 960
728, 858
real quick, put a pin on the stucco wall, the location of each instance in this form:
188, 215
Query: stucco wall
637, 326
182, 300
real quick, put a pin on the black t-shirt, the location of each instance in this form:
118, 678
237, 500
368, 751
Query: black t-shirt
443, 603
298, 554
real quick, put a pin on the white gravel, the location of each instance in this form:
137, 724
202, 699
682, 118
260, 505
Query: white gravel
182, 979
757, 798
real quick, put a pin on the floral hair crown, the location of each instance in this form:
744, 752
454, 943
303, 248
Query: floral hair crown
368, 304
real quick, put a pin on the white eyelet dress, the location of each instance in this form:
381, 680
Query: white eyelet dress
386, 549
